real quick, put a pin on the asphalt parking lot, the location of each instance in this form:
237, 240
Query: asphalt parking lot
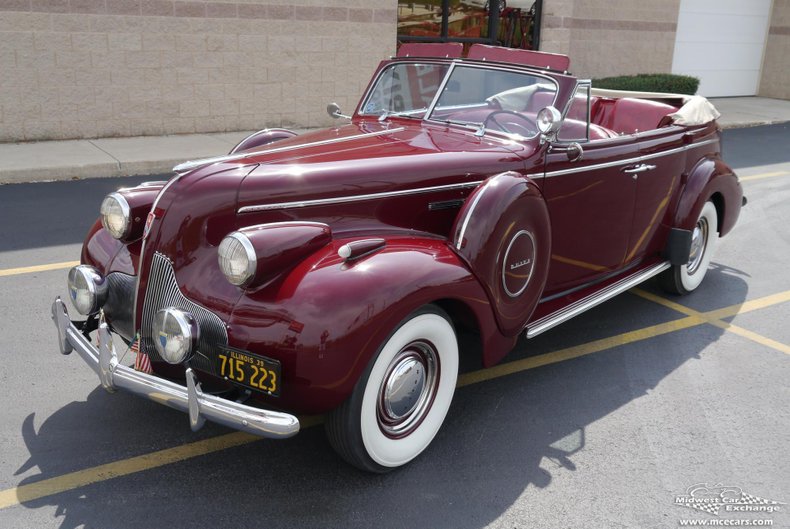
602, 422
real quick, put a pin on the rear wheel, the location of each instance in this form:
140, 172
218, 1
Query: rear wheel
683, 279
401, 400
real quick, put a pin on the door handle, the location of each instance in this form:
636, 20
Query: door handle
641, 168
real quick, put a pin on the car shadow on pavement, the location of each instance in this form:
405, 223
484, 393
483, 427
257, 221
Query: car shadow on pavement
502, 438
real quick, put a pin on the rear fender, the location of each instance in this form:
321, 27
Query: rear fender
327, 318
710, 179
503, 234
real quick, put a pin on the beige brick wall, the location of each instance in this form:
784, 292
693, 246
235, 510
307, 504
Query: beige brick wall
611, 37
99, 68
775, 80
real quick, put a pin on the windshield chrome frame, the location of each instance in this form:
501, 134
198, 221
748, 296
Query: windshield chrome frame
366, 97
569, 104
452, 65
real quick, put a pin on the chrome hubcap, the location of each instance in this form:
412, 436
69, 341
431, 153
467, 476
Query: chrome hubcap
699, 240
408, 389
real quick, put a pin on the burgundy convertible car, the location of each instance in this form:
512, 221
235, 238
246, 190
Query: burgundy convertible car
328, 273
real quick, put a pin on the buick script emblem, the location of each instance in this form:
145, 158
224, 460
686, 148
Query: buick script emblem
518, 263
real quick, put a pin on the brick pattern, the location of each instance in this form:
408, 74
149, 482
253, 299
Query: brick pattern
775, 81
102, 68
611, 37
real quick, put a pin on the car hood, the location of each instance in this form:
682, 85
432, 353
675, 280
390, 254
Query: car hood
371, 157
199, 207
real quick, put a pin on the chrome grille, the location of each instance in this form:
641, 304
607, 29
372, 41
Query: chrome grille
119, 307
162, 292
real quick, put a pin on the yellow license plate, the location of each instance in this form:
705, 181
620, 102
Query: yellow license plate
253, 371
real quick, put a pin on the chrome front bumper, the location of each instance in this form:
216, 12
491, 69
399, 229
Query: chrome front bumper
189, 399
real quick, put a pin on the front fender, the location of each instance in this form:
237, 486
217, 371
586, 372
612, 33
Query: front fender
710, 179
262, 137
327, 318
107, 254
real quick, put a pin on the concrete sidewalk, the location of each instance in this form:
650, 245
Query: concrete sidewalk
150, 155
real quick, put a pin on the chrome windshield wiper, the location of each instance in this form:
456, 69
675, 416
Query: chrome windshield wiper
402, 114
481, 129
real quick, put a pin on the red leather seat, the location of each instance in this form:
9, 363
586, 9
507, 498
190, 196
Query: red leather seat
629, 115
539, 100
574, 129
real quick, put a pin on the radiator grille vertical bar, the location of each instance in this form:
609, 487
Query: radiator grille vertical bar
162, 292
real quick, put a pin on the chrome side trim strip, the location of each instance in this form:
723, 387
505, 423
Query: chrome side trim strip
638, 159
574, 170
191, 399
678, 149
574, 309
357, 198
188, 166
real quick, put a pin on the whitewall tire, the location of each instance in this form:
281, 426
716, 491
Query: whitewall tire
401, 400
683, 279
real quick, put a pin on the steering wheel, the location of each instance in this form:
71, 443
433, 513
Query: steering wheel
533, 127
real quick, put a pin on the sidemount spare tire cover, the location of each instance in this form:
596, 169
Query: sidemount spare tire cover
503, 233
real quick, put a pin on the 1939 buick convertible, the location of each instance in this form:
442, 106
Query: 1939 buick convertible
328, 273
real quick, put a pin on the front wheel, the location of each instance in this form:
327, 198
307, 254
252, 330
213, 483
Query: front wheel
683, 279
401, 400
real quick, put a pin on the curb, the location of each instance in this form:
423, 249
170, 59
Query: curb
750, 124
92, 159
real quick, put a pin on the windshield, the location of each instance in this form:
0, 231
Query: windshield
495, 99
405, 88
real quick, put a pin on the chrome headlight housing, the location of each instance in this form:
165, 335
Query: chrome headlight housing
87, 289
237, 258
175, 334
116, 216
549, 120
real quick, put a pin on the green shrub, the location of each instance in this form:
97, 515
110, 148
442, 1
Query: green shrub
650, 82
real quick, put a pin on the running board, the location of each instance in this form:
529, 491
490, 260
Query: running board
574, 309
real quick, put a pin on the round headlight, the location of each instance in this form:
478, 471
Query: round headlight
87, 289
549, 120
237, 258
116, 215
175, 334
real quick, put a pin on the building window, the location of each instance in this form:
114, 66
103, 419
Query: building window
510, 23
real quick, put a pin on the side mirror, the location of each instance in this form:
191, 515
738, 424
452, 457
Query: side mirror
549, 123
333, 109
572, 150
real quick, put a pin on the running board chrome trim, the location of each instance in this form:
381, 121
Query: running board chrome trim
574, 309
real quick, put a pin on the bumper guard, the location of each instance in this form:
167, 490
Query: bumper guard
189, 399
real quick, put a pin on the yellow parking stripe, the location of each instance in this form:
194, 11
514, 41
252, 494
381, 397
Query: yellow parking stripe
81, 478
748, 306
713, 317
763, 175
37, 268
576, 351
753, 336
132, 465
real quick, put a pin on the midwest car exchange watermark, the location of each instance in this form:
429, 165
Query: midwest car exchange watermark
722, 500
